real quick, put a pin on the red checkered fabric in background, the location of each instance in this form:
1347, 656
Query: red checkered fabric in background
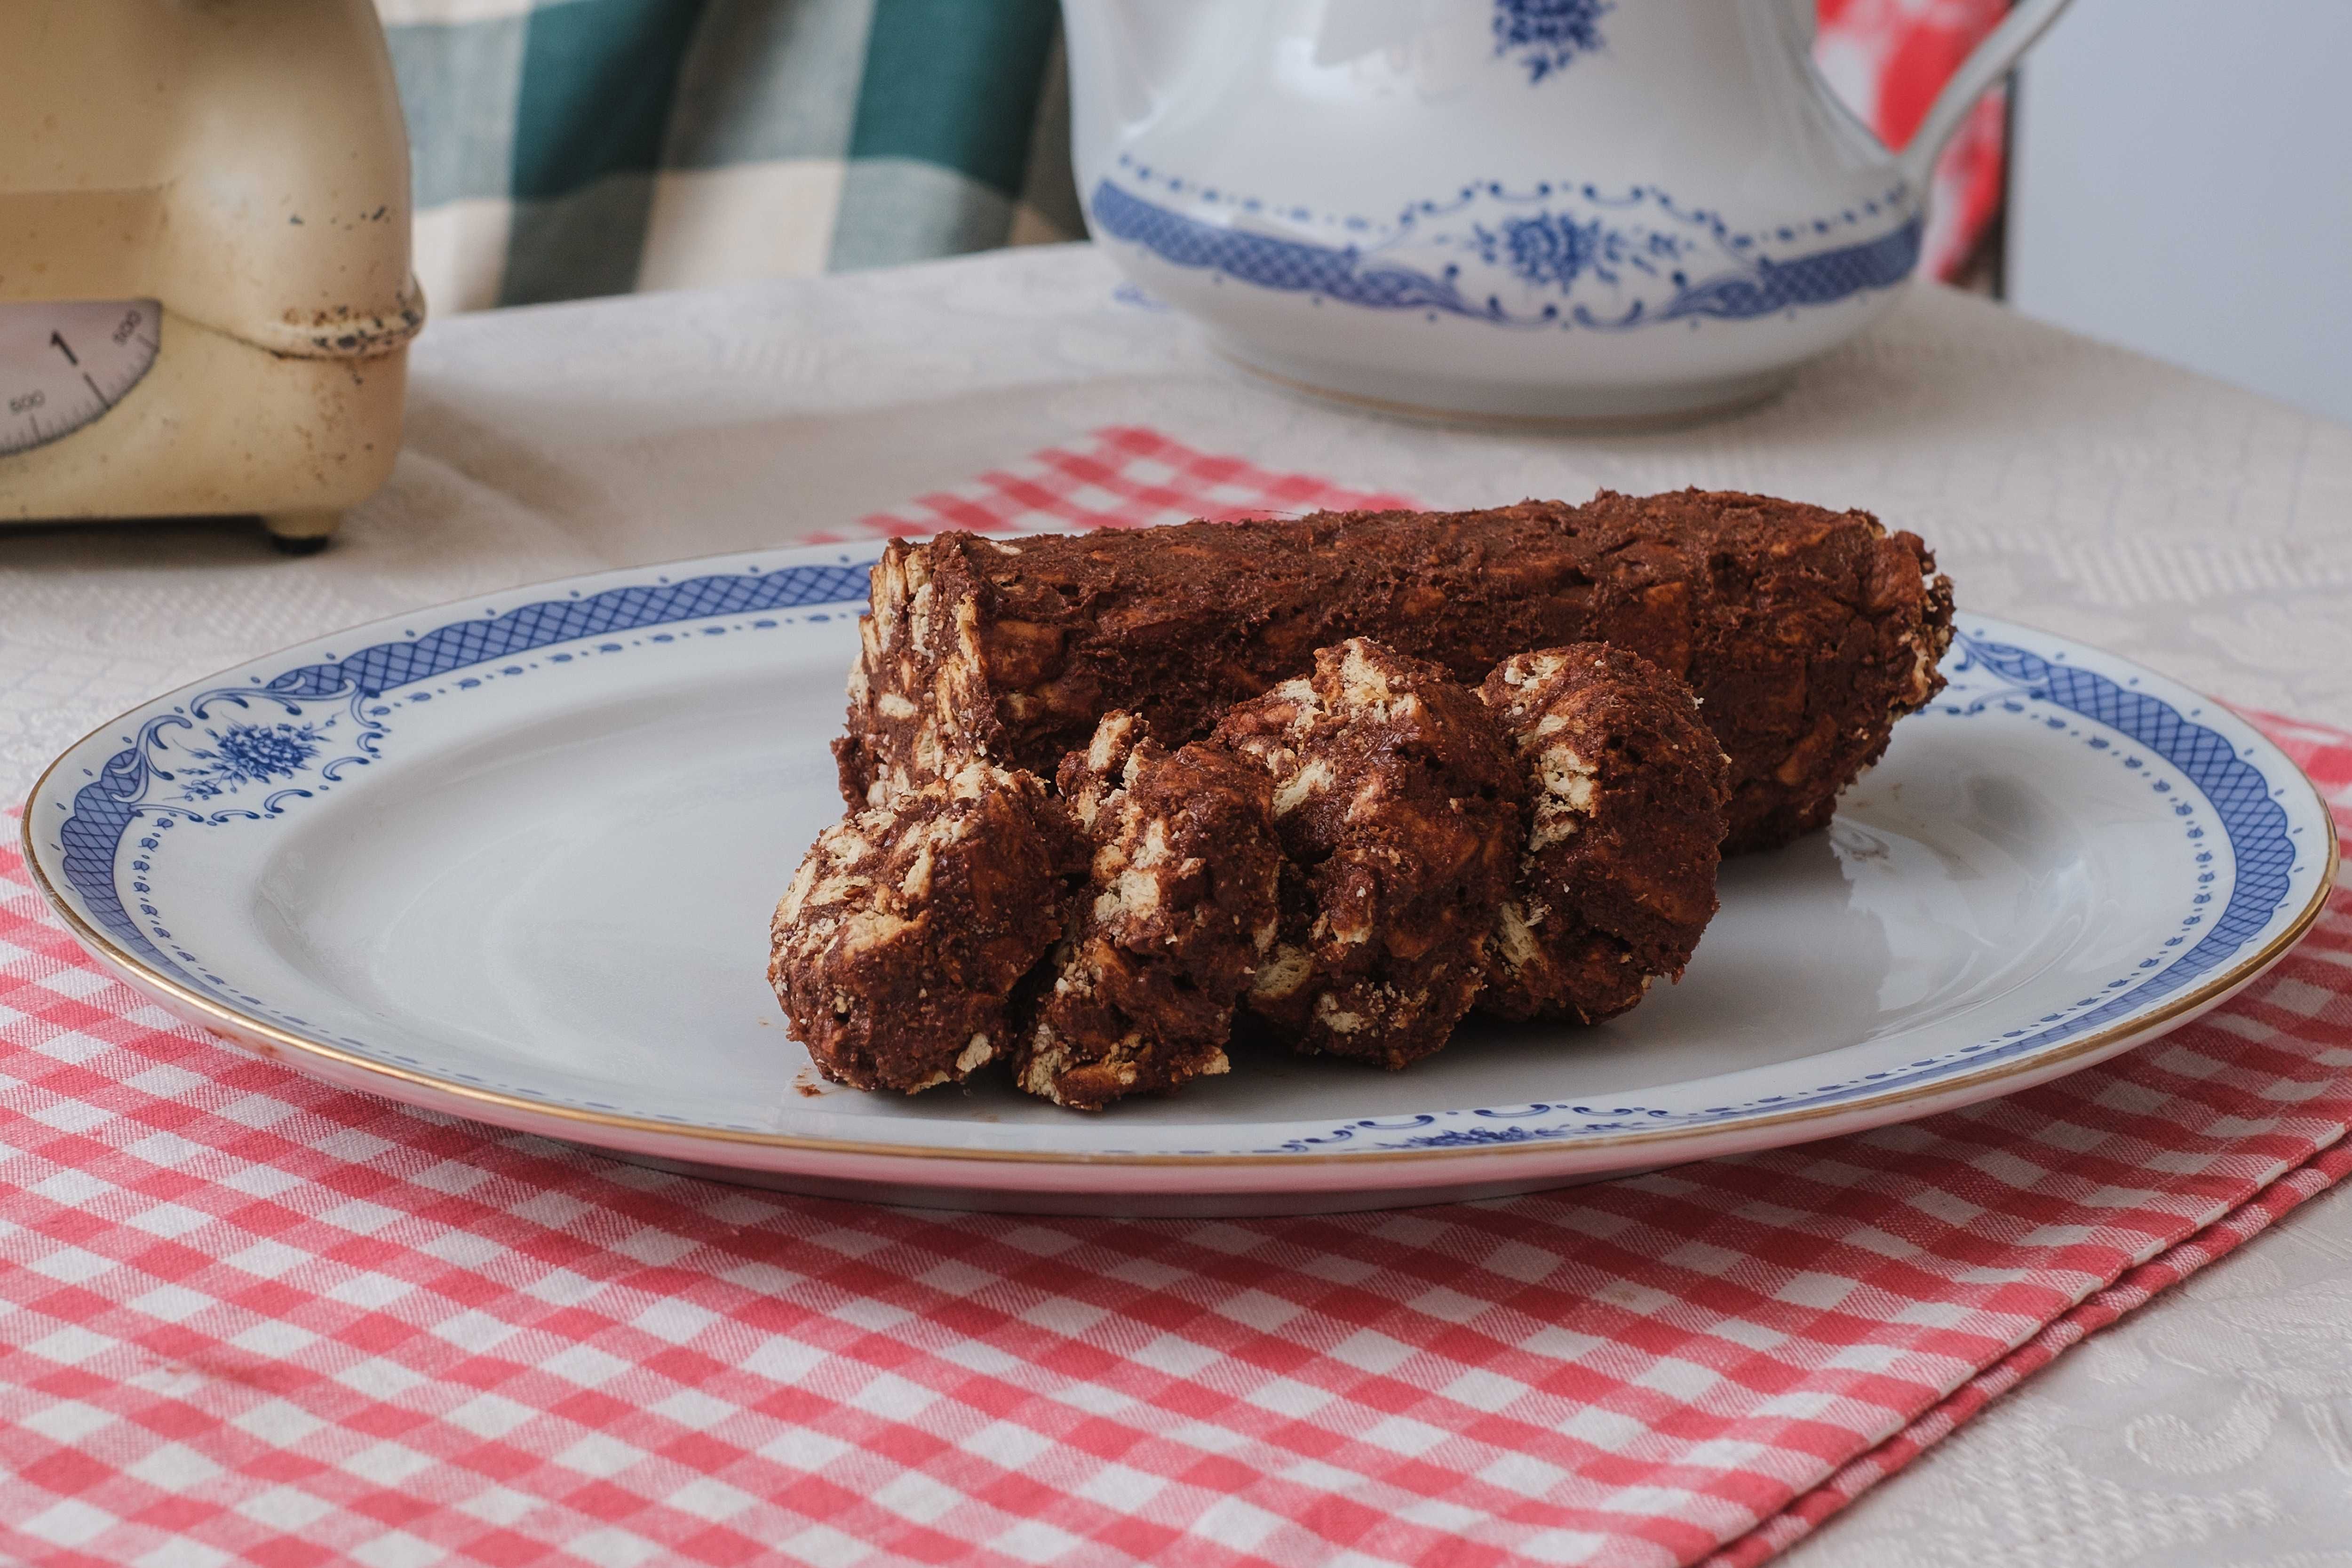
1122, 476
1888, 59
249, 1319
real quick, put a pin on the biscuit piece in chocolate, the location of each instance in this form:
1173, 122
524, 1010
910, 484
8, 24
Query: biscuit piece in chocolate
897, 948
1626, 787
1181, 908
1399, 808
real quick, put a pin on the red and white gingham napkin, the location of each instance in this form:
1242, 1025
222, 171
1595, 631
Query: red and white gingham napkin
252, 1318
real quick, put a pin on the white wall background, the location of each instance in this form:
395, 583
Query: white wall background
2183, 185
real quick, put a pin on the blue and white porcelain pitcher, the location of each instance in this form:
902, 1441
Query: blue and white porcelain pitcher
1548, 209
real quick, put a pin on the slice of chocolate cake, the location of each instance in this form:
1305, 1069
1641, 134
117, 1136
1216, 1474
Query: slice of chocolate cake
1179, 910
1399, 809
899, 945
1616, 879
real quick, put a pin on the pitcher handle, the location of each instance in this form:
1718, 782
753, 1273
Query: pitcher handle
2026, 22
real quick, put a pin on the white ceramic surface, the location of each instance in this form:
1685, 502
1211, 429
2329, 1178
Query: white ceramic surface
514, 858
1546, 209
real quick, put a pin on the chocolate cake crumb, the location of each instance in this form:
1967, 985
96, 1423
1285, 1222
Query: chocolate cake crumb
1181, 908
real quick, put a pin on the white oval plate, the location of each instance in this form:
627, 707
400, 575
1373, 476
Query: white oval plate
514, 858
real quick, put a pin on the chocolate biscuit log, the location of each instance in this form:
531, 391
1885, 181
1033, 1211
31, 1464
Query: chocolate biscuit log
1804, 632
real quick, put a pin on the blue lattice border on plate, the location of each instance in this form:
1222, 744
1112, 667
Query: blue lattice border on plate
128, 788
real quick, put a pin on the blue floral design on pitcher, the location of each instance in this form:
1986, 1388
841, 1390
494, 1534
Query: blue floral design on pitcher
1554, 255
1555, 249
1548, 35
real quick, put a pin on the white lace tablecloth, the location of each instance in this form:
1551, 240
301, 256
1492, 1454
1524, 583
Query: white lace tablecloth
2202, 529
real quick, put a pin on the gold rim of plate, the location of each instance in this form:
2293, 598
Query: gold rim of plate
246, 1030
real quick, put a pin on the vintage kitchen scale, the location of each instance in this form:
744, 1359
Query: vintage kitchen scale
206, 300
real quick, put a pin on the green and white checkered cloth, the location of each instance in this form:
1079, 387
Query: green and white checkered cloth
565, 148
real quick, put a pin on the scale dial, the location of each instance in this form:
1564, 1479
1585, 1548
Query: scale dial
63, 364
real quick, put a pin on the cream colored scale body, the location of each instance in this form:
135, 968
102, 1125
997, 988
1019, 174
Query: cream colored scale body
206, 299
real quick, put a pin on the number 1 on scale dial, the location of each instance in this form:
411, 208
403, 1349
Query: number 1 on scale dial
66, 365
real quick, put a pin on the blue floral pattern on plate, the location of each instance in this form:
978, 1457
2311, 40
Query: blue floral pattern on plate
242, 754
